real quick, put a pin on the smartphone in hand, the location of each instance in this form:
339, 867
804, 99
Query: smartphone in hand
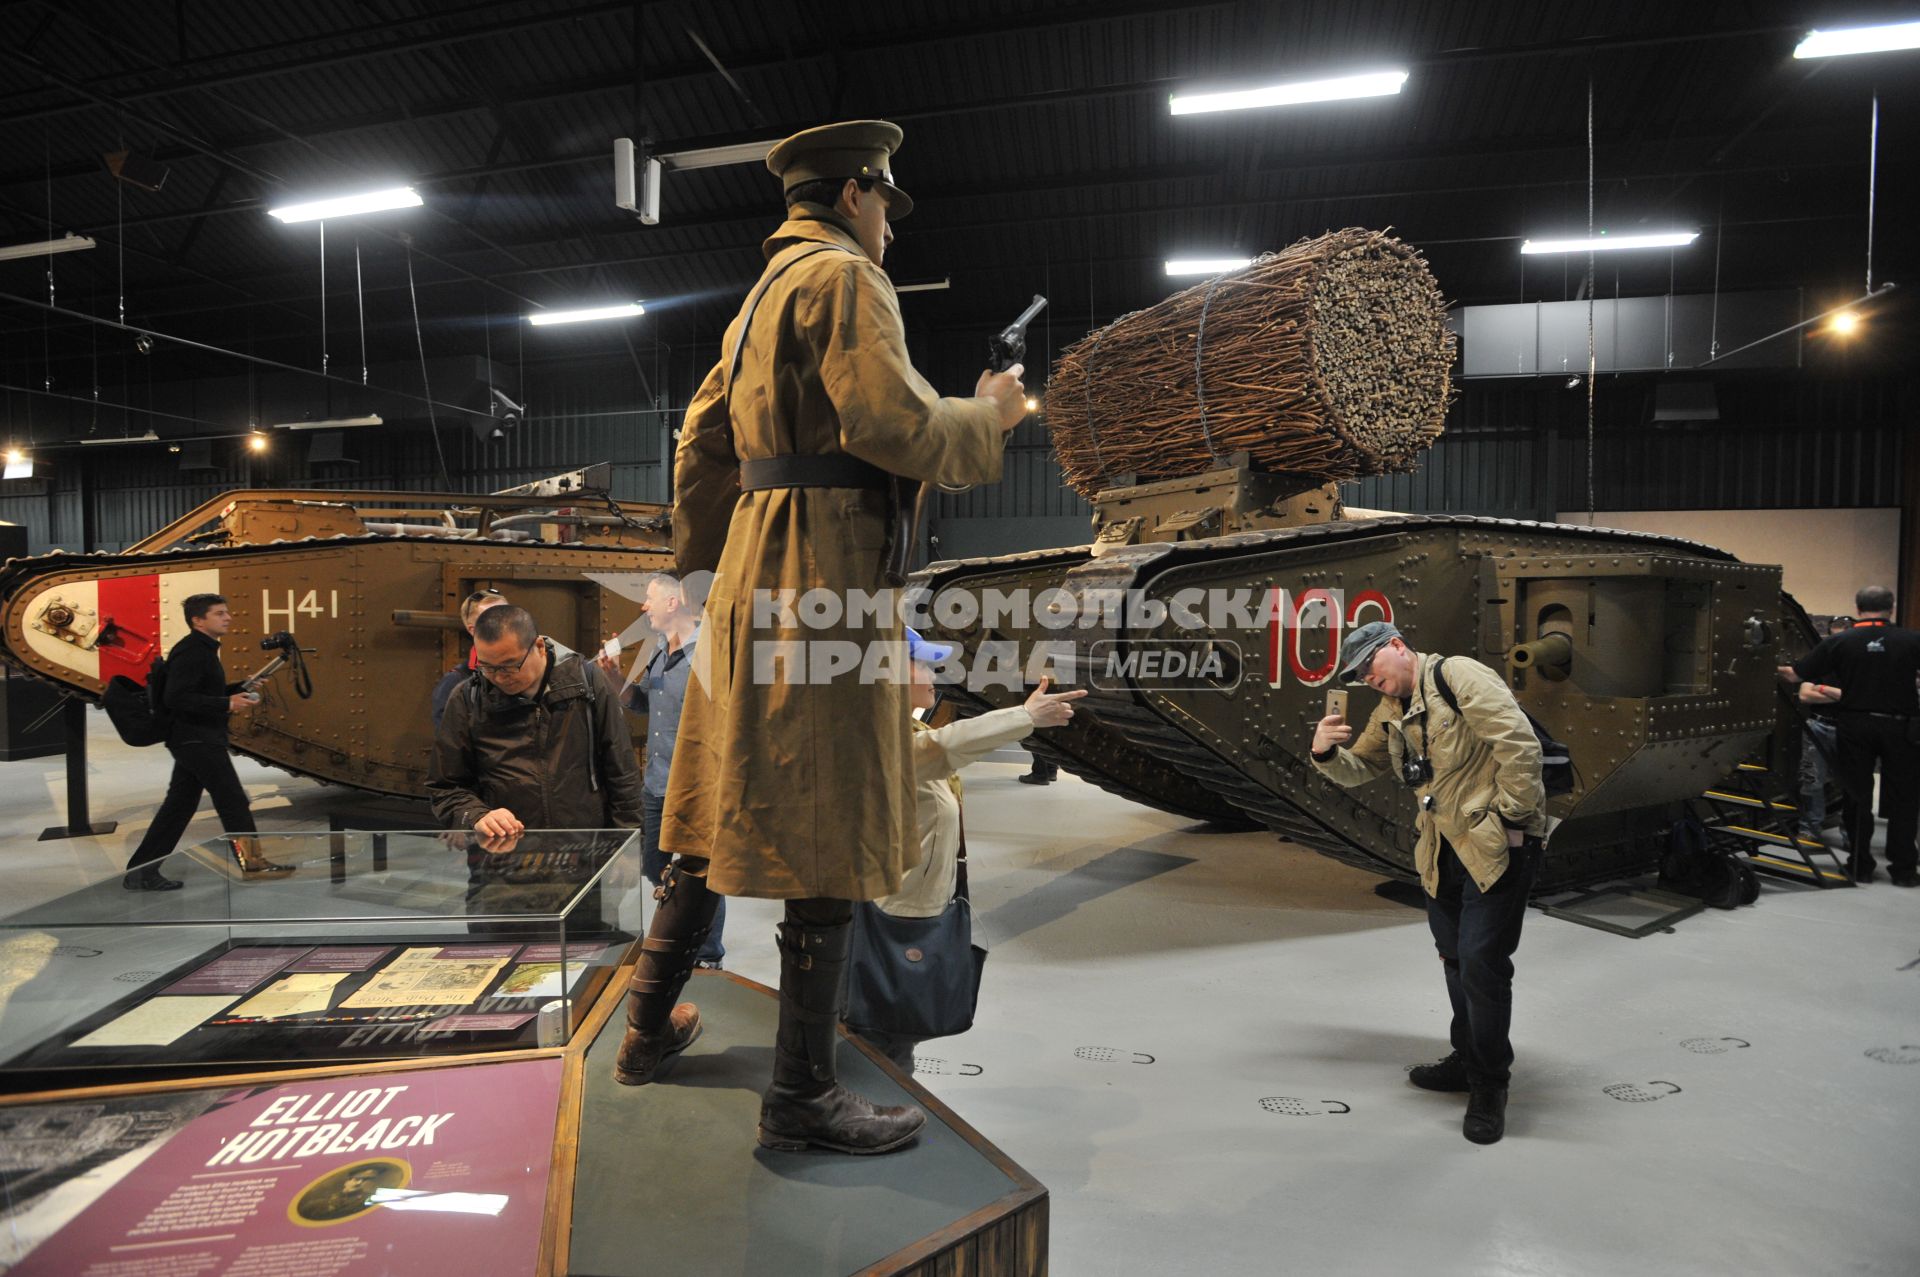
1337, 703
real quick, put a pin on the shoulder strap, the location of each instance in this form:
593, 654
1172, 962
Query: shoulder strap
753, 304
1440, 681
960, 862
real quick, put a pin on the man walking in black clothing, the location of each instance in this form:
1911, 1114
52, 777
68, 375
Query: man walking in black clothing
198, 699
1865, 679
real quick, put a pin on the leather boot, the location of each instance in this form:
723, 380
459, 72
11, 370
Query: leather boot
657, 1028
1486, 1119
806, 1105
1042, 772
1449, 1074
246, 850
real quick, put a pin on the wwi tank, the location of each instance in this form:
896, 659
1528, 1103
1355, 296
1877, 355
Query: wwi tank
1206, 616
1209, 431
369, 582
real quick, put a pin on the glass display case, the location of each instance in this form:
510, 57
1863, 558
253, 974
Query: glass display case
340, 946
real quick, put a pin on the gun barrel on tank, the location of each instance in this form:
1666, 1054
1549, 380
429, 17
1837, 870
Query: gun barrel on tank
1550, 654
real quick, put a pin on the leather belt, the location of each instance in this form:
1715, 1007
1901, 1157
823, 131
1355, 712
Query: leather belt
832, 470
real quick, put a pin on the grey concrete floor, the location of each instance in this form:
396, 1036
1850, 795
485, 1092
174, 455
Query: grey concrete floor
1197, 1041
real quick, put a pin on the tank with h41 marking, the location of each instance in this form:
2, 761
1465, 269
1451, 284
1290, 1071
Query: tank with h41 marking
369, 582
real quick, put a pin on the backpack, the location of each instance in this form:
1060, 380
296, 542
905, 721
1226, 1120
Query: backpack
157, 688
139, 713
1692, 866
1556, 763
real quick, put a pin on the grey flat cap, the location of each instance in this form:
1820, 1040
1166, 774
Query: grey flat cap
1360, 645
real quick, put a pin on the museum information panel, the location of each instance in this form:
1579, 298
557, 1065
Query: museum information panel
422, 1171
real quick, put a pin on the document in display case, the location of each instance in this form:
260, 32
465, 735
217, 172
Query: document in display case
361, 946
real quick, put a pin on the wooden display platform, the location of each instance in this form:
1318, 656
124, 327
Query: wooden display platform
669, 1178
663, 1179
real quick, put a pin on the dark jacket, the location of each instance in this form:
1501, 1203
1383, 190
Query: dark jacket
559, 759
450, 683
197, 691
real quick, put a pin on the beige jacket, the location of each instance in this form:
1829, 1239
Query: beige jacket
939, 752
1486, 767
798, 788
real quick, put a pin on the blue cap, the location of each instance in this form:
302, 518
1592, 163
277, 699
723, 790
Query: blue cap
1360, 645
929, 653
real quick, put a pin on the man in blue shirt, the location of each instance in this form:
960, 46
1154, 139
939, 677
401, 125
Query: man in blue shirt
660, 691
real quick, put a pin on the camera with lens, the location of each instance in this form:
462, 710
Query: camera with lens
283, 641
1415, 772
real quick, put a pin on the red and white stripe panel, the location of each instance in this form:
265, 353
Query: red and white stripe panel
141, 616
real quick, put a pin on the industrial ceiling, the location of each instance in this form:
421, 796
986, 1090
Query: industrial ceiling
1040, 151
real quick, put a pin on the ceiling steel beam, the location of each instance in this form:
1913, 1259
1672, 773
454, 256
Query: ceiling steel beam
180, 79
655, 77
932, 226
1273, 163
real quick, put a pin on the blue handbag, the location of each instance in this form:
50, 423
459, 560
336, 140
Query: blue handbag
915, 977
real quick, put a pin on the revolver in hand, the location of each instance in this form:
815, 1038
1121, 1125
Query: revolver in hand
1009, 346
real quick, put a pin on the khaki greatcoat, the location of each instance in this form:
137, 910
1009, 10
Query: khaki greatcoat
798, 789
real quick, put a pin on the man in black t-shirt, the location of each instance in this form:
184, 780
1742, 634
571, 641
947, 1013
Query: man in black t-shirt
1866, 679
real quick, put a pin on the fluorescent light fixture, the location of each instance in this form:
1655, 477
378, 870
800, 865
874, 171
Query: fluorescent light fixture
541, 319
349, 205
148, 437
1880, 39
1604, 242
931, 286
332, 423
65, 244
1205, 265
715, 156
1372, 84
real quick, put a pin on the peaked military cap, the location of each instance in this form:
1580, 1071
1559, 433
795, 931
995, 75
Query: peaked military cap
856, 148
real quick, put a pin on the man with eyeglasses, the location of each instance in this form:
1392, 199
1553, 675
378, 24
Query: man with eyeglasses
470, 609
1473, 764
799, 453
535, 739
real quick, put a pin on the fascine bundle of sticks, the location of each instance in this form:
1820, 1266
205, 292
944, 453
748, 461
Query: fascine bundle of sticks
1331, 358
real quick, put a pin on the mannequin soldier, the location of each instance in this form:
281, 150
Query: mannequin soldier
792, 473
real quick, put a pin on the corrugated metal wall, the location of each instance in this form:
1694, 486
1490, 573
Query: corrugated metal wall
1512, 448
1030, 485
131, 491
1519, 448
